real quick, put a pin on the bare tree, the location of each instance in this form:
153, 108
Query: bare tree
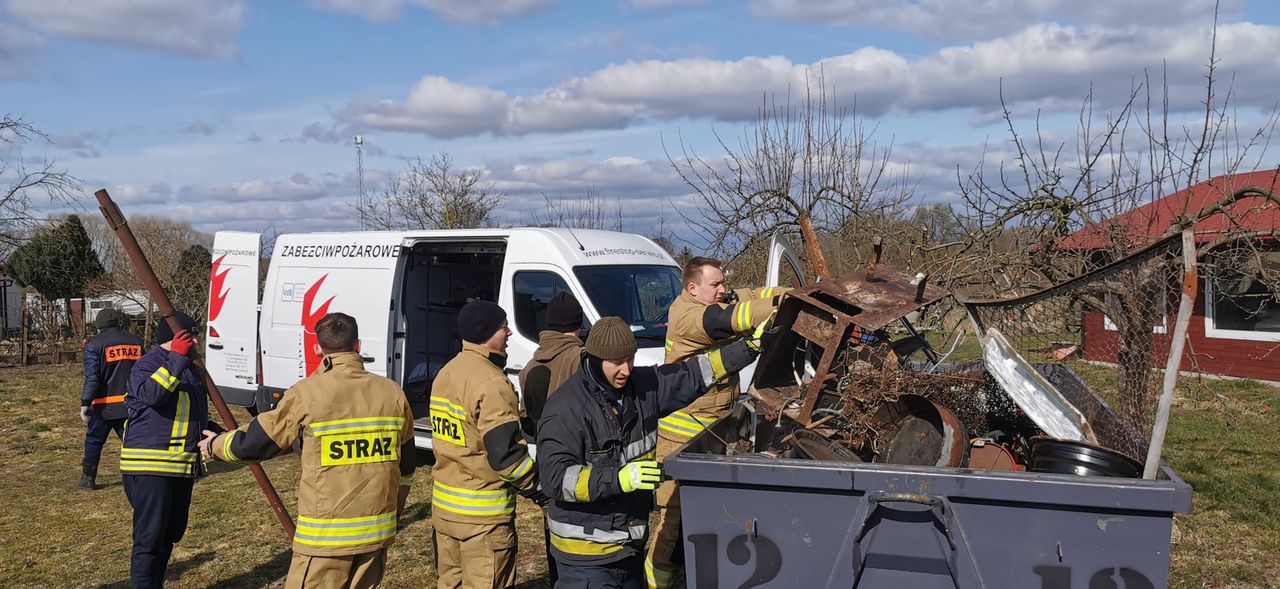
433, 194
810, 167
589, 211
22, 183
1025, 212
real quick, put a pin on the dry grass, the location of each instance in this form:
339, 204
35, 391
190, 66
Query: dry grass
56, 536
1223, 440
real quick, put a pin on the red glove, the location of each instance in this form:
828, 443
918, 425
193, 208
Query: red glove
182, 343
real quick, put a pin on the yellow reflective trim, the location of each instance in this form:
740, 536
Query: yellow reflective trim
717, 364
169, 383
227, 454
582, 487
357, 424
370, 519
477, 503
522, 469
656, 577
681, 424
149, 466
157, 453
180, 416
444, 404
583, 547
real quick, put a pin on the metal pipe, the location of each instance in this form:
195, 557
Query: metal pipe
115, 220
1189, 285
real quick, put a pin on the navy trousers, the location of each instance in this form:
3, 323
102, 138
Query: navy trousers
160, 506
95, 437
624, 574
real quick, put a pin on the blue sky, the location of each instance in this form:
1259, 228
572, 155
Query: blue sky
239, 113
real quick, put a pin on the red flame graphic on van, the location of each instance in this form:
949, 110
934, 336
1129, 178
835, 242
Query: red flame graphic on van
217, 296
309, 320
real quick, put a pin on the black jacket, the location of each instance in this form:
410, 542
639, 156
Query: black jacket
108, 358
589, 431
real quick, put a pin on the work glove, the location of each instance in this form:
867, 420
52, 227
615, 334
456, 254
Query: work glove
641, 475
84, 413
182, 342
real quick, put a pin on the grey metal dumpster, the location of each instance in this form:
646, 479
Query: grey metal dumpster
756, 521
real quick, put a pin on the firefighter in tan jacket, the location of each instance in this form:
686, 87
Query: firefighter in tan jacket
357, 460
482, 460
698, 320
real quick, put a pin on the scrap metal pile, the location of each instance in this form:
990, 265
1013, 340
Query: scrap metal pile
848, 377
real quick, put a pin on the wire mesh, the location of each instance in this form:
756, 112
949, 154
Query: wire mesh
1113, 326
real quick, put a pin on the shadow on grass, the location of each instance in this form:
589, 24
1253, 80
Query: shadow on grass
175, 570
264, 574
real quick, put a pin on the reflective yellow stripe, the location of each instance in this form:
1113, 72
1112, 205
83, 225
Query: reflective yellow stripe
766, 293
681, 424
180, 417
165, 455
656, 577
583, 547
717, 364
468, 502
128, 465
582, 487
165, 379
670, 345
448, 406
347, 531
227, 454
358, 424
743, 317
522, 469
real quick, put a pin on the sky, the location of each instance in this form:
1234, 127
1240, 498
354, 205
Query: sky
239, 114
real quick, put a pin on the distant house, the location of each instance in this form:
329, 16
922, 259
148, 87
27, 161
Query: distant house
10, 306
1235, 326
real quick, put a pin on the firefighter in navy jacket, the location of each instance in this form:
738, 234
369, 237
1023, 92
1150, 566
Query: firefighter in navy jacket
108, 359
160, 459
596, 445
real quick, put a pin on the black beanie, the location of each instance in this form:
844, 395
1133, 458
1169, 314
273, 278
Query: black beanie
109, 318
164, 333
564, 314
479, 320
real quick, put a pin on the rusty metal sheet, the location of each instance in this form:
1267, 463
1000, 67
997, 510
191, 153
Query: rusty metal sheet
877, 301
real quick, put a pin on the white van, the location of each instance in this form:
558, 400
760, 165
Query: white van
405, 289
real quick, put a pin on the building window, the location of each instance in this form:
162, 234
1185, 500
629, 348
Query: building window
533, 290
1241, 301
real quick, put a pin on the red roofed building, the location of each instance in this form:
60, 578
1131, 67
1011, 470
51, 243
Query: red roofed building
1235, 326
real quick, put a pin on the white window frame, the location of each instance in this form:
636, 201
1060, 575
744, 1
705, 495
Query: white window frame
1162, 296
1210, 331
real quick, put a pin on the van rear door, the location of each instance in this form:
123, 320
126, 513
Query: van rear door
231, 336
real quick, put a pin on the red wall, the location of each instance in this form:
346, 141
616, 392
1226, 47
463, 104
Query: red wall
1243, 358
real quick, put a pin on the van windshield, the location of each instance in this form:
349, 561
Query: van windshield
640, 295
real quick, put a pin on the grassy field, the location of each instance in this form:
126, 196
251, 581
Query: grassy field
1224, 440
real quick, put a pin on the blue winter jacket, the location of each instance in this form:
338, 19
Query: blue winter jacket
167, 409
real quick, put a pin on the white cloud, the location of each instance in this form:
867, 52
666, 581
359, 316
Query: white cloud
473, 12
948, 19
197, 28
1042, 66
298, 187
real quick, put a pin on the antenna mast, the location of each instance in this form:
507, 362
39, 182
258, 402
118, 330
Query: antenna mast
361, 205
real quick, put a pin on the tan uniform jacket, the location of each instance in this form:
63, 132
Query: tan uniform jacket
695, 327
558, 357
475, 429
356, 428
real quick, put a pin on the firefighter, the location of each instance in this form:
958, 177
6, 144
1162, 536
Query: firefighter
596, 445
698, 320
108, 358
558, 357
482, 460
357, 461
159, 459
